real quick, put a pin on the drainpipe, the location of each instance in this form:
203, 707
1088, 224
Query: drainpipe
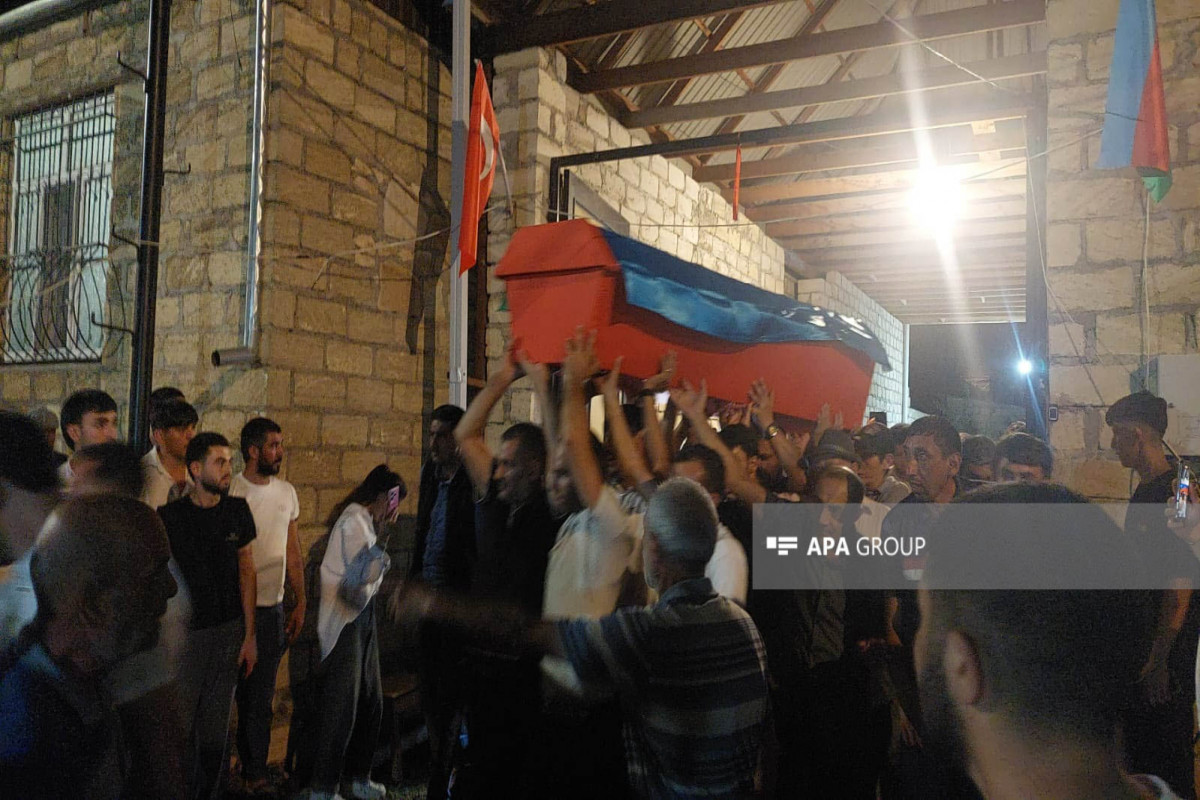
245, 353
141, 371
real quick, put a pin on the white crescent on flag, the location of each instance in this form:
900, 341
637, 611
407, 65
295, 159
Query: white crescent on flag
489, 152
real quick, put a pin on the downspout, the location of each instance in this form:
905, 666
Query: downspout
245, 352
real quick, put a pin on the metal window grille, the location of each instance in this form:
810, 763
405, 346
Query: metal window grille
56, 271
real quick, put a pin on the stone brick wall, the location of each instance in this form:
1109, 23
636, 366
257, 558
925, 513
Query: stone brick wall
48, 67
1095, 234
353, 310
889, 390
541, 117
352, 314
201, 272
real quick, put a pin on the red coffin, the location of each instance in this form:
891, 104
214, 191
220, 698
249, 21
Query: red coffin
563, 274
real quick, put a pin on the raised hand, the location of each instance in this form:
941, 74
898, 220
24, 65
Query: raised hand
580, 362
666, 372
612, 382
762, 401
535, 370
691, 401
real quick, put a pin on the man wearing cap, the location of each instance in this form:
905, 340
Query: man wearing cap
837, 449
1158, 726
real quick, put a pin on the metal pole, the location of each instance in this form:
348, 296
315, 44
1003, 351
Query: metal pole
461, 105
142, 370
1036, 330
250, 307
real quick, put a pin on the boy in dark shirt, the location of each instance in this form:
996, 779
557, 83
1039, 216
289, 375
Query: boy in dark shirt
211, 535
1158, 724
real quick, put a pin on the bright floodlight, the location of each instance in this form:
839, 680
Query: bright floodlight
936, 199
1024, 366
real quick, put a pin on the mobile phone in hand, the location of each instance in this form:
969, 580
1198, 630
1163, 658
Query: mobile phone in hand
393, 500
1182, 487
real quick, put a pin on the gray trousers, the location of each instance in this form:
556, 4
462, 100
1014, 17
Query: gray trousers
207, 678
351, 705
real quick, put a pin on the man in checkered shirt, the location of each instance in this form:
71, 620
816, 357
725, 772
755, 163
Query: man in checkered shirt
690, 670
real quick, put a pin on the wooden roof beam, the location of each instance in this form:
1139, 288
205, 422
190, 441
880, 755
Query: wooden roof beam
912, 232
927, 27
870, 202
889, 177
817, 159
996, 69
606, 19
888, 219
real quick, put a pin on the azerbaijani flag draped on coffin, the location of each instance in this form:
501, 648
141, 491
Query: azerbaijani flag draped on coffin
1135, 119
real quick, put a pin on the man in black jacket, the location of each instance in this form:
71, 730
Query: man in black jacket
443, 555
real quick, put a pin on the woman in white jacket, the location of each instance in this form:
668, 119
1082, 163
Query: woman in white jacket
351, 703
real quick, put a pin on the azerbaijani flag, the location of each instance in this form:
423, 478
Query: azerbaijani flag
1135, 119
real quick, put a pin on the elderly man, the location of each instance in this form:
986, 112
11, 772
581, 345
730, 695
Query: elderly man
689, 670
99, 570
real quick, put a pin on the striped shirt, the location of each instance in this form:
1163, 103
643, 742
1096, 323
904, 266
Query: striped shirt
691, 675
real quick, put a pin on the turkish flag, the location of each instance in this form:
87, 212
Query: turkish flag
483, 151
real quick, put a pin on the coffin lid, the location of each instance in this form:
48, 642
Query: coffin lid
686, 294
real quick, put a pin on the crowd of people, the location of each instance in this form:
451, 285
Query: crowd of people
583, 608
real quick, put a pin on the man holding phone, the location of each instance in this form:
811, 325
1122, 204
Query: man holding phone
1158, 726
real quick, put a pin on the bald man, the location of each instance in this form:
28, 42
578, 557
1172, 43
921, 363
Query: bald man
99, 570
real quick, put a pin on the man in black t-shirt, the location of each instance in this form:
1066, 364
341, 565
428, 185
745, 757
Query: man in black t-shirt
211, 535
1158, 725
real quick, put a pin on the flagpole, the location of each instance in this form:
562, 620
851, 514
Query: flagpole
461, 105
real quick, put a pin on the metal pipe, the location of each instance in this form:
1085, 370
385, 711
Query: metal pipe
1035, 333
257, 144
42, 12
460, 76
142, 369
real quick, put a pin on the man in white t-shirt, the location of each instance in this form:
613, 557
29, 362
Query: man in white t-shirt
88, 416
275, 508
172, 426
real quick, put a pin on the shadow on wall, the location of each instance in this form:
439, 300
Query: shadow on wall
433, 214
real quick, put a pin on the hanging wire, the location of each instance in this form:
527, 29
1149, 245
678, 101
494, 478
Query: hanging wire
928, 48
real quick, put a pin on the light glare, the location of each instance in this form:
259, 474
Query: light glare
936, 199
1024, 366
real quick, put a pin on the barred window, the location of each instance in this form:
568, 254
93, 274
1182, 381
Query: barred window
55, 273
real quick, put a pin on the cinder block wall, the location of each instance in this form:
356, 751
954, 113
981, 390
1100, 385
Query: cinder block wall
1096, 229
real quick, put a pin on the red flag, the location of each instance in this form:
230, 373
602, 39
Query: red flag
483, 149
737, 182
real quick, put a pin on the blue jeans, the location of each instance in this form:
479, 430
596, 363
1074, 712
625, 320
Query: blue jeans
351, 705
207, 677
256, 692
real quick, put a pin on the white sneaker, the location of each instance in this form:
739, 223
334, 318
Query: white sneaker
313, 794
368, 790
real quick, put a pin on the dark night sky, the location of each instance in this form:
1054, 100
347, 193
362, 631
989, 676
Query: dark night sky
942, 357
